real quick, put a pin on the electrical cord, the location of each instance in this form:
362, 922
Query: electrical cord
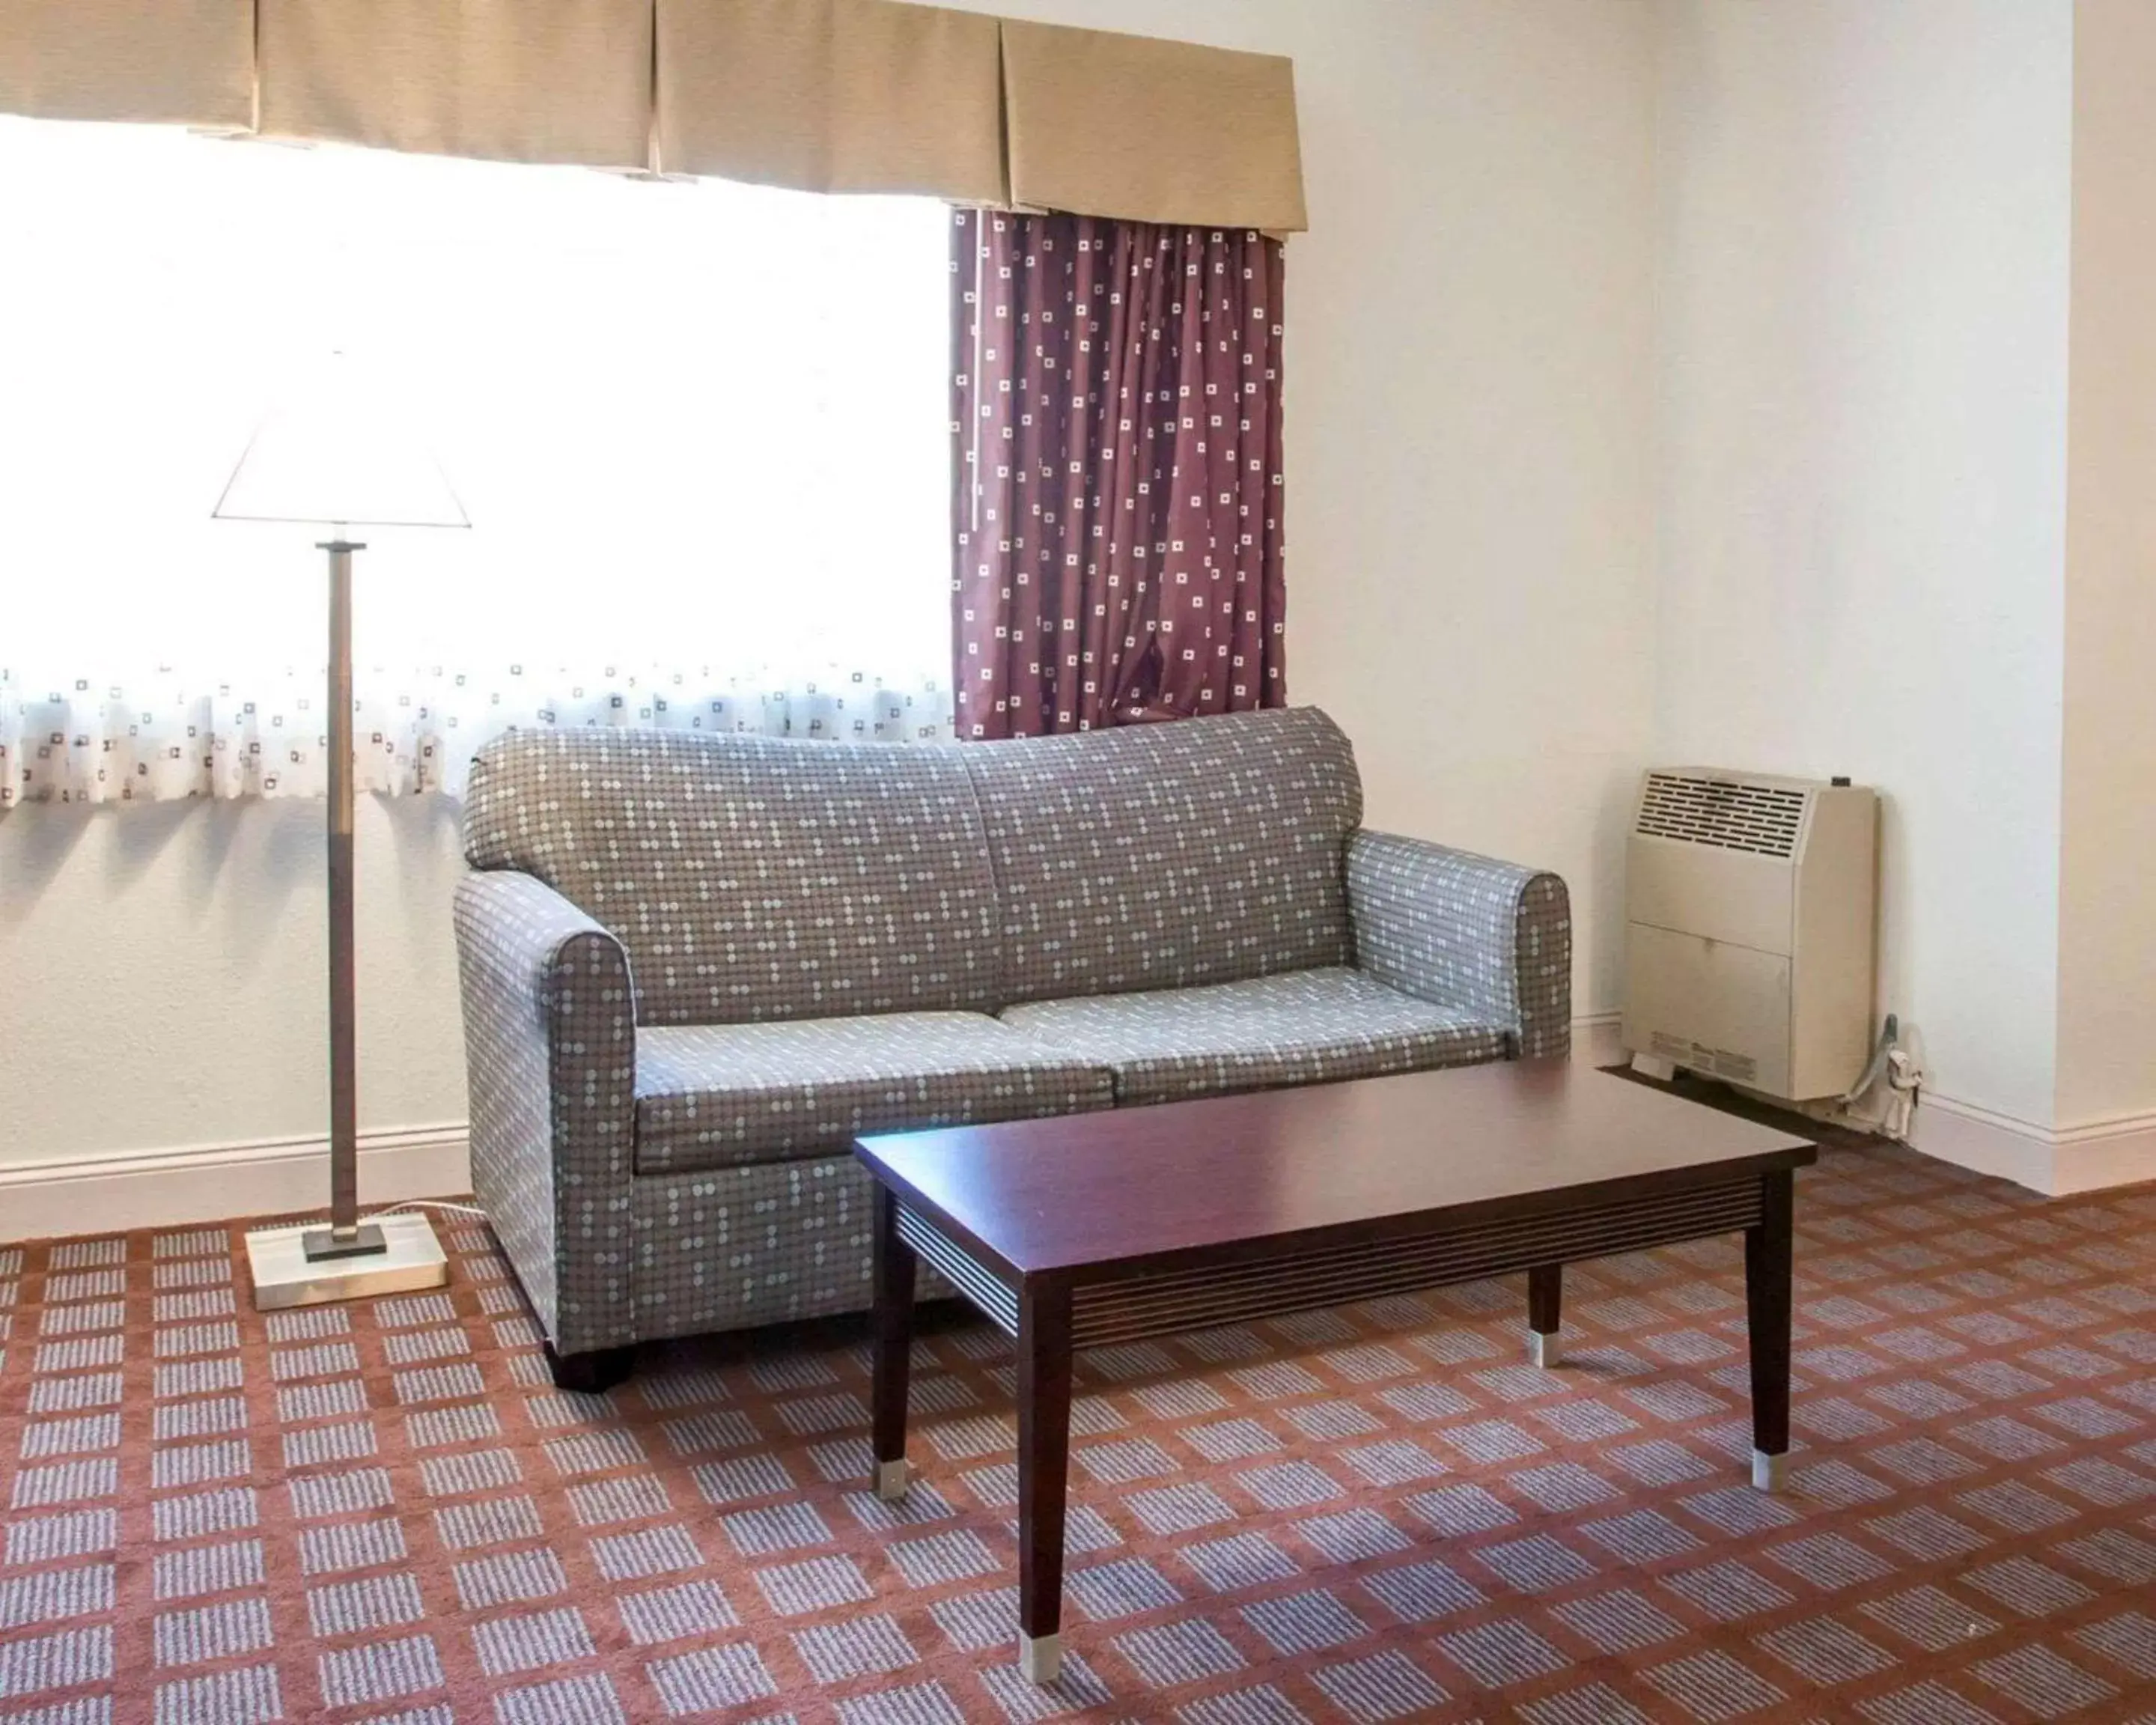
1889, 1038
426, 1203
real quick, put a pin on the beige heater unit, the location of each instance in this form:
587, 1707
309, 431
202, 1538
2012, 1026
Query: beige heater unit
1749, 938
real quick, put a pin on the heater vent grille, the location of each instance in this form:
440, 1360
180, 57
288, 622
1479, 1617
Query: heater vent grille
1762, 818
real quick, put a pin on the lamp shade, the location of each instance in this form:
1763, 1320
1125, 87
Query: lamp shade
342, 449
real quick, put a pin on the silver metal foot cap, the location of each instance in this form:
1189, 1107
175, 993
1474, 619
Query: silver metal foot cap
891, 1479
1040, 1659
1541, 1350
1769, 1473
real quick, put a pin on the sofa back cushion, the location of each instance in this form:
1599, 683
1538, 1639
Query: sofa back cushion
1156, 856
752, 878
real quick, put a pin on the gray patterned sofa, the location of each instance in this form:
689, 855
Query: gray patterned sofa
694, 965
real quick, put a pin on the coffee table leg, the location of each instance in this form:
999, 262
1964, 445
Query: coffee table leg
1545, 1302
893, 1267
1768, 1261
1043, 1460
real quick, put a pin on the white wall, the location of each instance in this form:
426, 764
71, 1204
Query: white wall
1862, 237
163, 975
2107, 907
1469, 589
1470, 548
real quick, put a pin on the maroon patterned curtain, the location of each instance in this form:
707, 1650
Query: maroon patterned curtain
1117, 404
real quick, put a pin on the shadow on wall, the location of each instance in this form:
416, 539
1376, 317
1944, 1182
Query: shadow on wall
1613, 828
421, 827
249, 857
231, 869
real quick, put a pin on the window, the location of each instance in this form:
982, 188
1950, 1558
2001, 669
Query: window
694, 423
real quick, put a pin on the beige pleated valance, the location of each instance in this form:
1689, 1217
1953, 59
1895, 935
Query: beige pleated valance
1152, 131
831, 95
173, 62
826, 95
508, 80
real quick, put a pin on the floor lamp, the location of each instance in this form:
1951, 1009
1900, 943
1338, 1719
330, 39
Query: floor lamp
337, 457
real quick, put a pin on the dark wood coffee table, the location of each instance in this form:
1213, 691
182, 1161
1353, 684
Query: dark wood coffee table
1096, 1229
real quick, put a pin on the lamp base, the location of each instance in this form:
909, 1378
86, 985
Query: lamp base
322, 1243
288, 1271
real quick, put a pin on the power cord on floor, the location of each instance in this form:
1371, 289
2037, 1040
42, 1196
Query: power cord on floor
426, 1203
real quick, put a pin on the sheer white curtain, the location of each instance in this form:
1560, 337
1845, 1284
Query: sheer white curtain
701, 430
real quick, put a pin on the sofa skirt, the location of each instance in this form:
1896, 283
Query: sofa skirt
730, 1248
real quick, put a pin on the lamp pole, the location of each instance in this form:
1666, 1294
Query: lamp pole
344, 1238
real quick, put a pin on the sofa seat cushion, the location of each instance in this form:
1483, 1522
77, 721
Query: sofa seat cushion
1302, 1027
724, 1096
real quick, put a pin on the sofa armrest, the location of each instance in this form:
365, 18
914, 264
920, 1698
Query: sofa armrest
1489, 938
550, 1052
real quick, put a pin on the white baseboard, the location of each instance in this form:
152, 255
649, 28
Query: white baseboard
282, 1177
2119, 1151
275, 1177
1594, 1038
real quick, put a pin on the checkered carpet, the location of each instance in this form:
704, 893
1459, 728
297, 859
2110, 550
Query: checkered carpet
384, 1512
